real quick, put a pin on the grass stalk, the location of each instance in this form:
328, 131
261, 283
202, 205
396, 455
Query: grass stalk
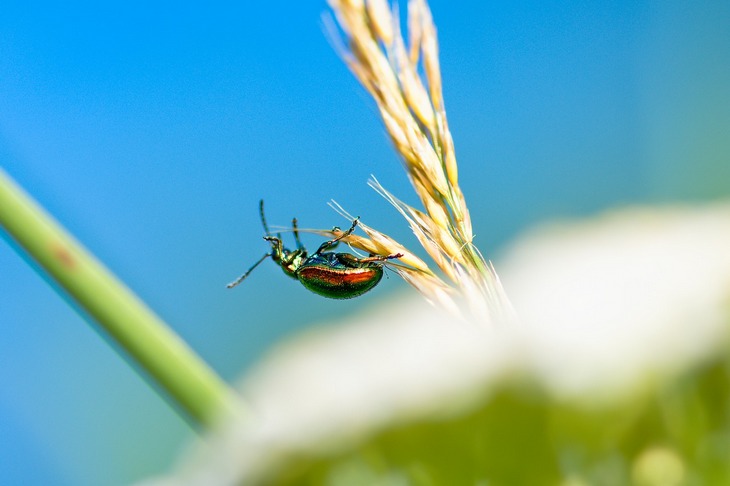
167, 360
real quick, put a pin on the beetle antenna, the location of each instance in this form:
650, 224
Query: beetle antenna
263, 218
243, 277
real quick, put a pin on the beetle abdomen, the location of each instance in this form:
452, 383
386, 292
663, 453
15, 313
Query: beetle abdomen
339, 283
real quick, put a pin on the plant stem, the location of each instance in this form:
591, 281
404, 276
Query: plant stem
171, 364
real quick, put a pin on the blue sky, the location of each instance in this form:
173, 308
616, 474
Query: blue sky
151, 132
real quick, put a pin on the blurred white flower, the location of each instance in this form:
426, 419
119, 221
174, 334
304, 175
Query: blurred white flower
615, 299
607, 307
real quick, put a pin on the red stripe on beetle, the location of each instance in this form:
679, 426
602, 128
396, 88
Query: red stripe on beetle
334, 277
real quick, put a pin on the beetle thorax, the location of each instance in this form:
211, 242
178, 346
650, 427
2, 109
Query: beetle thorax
290, 261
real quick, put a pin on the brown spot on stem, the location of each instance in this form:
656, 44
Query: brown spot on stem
64, 256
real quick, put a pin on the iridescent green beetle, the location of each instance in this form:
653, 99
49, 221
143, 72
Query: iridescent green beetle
333, 275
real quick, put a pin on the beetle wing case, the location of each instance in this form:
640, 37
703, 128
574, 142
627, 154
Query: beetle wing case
339, 275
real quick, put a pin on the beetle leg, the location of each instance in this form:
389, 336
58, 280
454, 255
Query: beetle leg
243, 277
332, 243
353, 260
276, 245
295, 228
379, 258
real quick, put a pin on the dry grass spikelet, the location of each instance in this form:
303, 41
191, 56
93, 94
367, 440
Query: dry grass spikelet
370, 42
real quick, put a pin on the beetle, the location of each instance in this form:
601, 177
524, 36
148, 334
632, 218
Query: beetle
333, 275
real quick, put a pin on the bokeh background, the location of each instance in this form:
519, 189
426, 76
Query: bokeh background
152, 130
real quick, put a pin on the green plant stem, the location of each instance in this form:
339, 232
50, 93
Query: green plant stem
191, 384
